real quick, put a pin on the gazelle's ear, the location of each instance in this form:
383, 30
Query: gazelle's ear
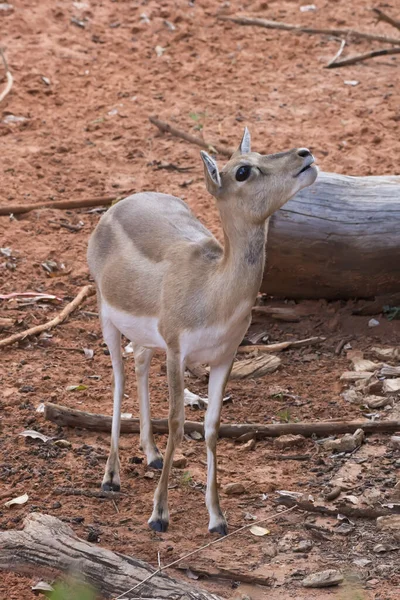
211, 174
245, 144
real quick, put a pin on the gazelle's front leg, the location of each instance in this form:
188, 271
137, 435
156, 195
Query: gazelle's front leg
142, 367
112, 337
218, 377
159, 519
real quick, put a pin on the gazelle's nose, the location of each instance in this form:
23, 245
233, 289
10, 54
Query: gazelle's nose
303, 152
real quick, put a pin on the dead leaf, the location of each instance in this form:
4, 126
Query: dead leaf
259, 531
36, 435
20, 500
42, 586
193, 400
126, 415
76, 388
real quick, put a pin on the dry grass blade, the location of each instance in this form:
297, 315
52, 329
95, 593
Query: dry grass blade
221, 539
10, 79
352, 60
337, 55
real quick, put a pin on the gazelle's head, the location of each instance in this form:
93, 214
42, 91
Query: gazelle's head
254, 185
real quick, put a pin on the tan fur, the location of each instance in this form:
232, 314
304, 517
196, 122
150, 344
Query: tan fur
154, 261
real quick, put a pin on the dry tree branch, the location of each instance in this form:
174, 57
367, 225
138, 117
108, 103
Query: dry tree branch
71, 417
85, 292
350, 33
19, 209
166, 128
337, 55
352, 60
10, 79
382, 16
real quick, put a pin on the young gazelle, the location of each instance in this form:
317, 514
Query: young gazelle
166, 283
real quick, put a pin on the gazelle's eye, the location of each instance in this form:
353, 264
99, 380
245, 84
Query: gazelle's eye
243, 173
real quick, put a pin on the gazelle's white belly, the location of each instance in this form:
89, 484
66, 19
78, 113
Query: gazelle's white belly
204, 345
142, 331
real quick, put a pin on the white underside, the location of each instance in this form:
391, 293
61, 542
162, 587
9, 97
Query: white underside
207, 345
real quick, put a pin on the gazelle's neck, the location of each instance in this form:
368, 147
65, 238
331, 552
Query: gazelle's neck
244, 253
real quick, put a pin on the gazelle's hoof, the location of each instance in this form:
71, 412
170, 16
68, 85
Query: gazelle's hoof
109, 486
221, 529
157, 463
160, 525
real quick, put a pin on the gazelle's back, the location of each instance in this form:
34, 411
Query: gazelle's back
128, 251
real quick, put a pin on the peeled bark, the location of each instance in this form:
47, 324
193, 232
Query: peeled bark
46, 545
336, 239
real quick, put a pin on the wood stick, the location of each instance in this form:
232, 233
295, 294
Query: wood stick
228, 574
66, 491
382, 16
352, 60
280, 346
19, 209
85, 292
338, 53
311, 30
280, 313
166, 128
70, 417
10, 79
343, 509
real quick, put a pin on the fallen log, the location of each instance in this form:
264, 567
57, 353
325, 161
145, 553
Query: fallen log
71, 417
47, 545
336, 239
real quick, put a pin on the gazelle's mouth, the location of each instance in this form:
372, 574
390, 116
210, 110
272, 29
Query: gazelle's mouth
308, 165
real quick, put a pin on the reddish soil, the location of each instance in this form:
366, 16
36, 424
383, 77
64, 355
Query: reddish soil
85, 134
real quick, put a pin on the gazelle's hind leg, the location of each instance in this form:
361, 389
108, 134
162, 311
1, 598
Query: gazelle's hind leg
112, 337
143, 358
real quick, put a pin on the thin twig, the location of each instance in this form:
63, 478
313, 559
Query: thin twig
221, 539
338, 53
311, 30
19, 209
386, 18
10, 79
166, 128
85, 292
352, 60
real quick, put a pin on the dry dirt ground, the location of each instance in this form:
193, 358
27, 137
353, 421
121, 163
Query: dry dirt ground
84, 95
